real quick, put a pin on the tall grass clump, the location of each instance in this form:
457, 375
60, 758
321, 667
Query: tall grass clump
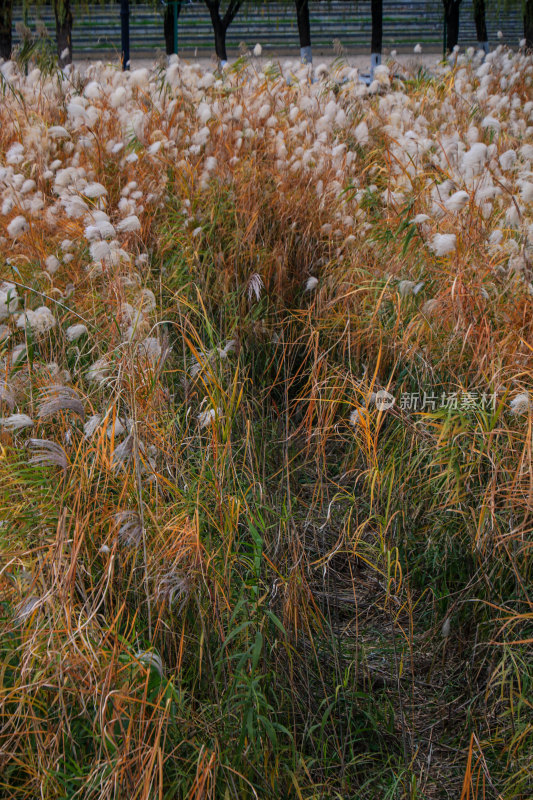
266, 431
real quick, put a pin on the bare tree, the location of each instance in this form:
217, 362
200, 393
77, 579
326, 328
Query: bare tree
304, 31
451, 17
481, 25
125, 33
171, 13
377, 34
6, 20
222, 23
528, 23
63, 16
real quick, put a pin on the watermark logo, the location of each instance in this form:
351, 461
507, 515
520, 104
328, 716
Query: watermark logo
384, 400
452, 401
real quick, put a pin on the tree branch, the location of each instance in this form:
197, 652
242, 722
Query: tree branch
232, 9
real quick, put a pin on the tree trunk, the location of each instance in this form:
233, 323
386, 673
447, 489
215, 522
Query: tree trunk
125, 34
377, 26
6, 18
451, 13
221, 24
304, 31
376, 41
220, 39
169, 27
481, 25
528, 24
219, 30
63, 16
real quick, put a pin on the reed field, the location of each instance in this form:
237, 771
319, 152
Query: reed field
266, 434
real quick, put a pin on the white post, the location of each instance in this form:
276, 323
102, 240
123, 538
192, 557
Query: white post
306, 55
375, 61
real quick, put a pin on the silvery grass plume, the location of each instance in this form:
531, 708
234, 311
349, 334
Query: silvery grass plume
520, 404
9, 300
40, 321
198, 367
75, 332
100, 227
474, 159
130, 224
230, 347
58, 398
507, 160
382, 400
52, 264
357, 416
123, 452
457, 201
99, 371
7, 396
150, 349
173, 588
58, 132
430, 307
91, 425
255, 287
16, 422
118, 427
17, 226
443, 244
48, 453
26, 609
205, 418
94, 190
406, 287
151, 659
114, 429
130, 529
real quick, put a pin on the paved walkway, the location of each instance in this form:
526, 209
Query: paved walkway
362, 62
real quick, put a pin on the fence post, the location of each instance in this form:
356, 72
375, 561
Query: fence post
125, 32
